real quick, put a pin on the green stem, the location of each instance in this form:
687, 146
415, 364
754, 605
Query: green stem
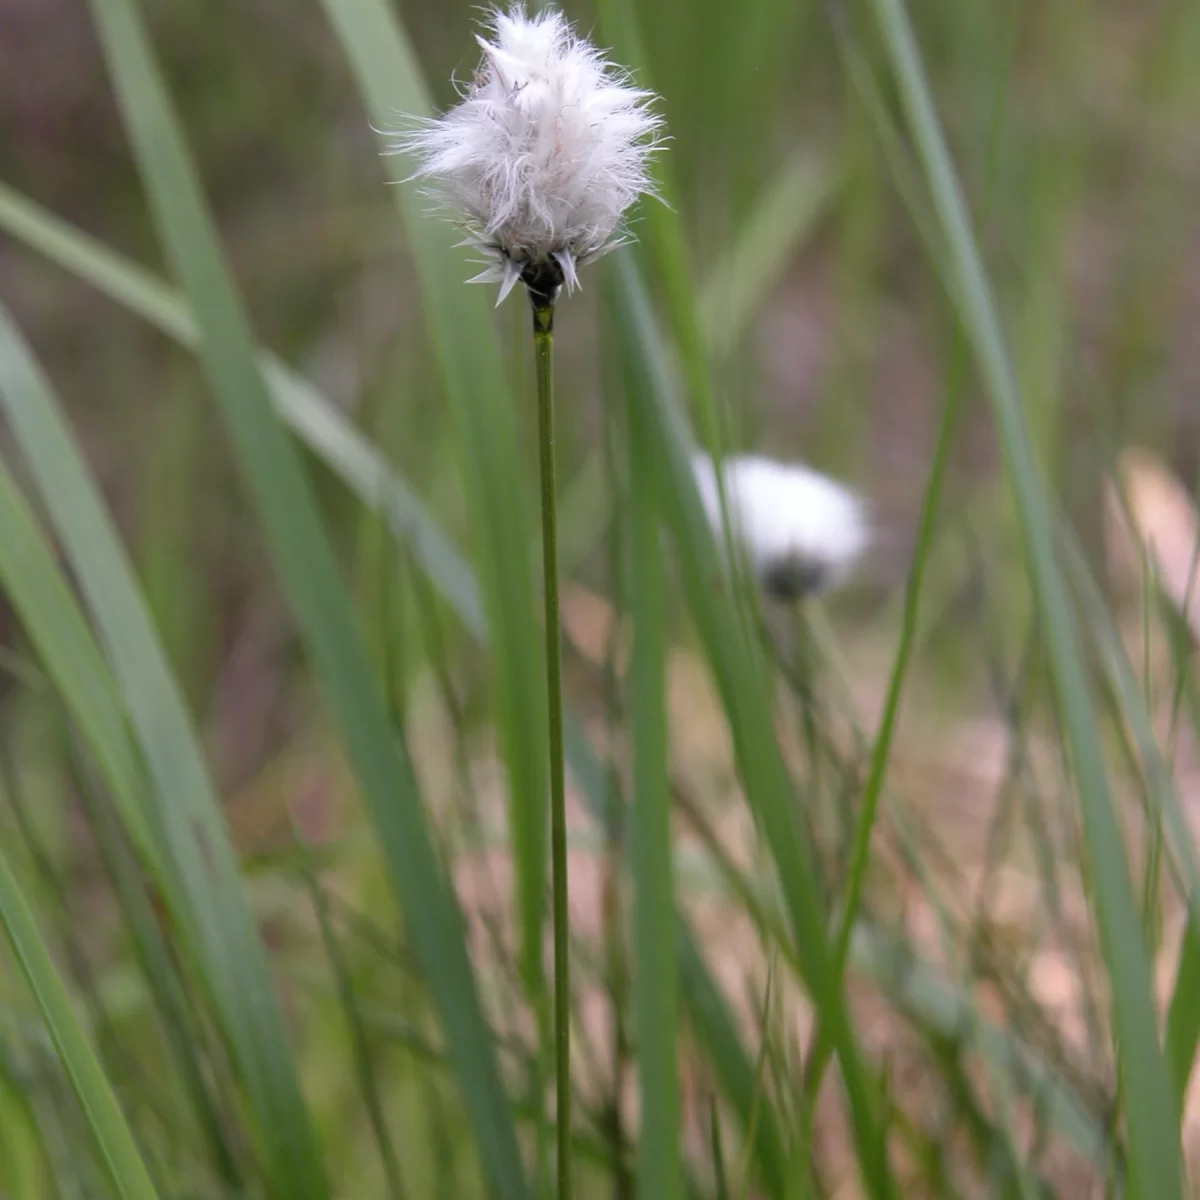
823, 1047
543, 342
818, 1059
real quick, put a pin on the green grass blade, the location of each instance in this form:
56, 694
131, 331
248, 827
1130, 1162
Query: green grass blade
113, 1138
662, 236
50, 615
1150, 1106
933, 1003
711, 1018
364, 1067
58, 632
707, 1009
482, 409
939, 1007
312, 417
741, 282
24, 1170
310, 578
743, 689
1183, 1017
655, 971
877, 770
159, 967
200, 880
131, 286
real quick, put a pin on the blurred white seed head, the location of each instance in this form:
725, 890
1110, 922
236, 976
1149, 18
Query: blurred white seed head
548, 148
801, 532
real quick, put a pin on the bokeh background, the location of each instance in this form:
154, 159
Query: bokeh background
829, 336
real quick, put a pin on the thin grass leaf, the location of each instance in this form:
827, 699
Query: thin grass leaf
662, 237
933, 1003
200, 878
909, 631
906, 175
30, 1064
662, 248
114, 1141
881, 748
24, 1171
742, 280
718, 1151
58, 632
493, 475
310, 578
710, 1015
1183, 1016
707, 1009
158, 966
360, 1043
656, 975
316, 420
1151, 1110
939, 1007
742, 1175
743, 689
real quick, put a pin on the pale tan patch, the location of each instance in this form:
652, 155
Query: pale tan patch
1161, 518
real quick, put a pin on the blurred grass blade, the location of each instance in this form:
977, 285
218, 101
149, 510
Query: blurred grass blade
1183, 1017
933, 1003
24, 1166
364, 1067
742, 280
1152, 1115
1162, 791
153, 953
743, 688
494, 478
923, 992
309, 575
711, 1019
662, 237
906, 175
367, 474
113, 1139
131, 286
710, 1014
200, 877
50, 616
313, 418
655, 977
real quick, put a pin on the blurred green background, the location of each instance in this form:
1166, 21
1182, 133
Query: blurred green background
818, 322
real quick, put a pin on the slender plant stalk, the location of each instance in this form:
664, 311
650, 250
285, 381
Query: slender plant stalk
823, 1047
818, 1060
543, 342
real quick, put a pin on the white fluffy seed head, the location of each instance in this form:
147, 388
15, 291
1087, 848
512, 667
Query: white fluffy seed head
800, 531
547, 150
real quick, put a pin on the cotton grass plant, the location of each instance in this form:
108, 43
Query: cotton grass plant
541, 159
899, 978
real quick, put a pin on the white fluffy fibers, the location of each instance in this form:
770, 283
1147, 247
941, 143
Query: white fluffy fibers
548, 148
800, 531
